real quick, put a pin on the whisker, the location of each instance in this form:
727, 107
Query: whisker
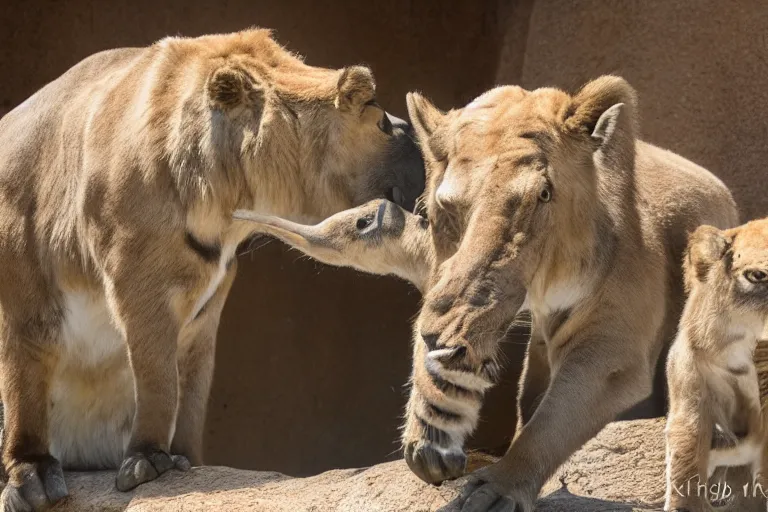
256, 243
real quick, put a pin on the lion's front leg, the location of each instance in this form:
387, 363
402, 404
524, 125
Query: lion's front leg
592, 385
151, 334
196, 361
443, 409
688, 436
140, 293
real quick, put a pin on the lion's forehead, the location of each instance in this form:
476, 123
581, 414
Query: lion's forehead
751, 256
750, 242
750, 246
504, 124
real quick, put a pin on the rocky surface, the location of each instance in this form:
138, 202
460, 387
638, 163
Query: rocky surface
622, 469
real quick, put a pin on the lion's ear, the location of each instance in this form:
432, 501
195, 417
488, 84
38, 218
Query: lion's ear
355, 88
706, 246
424, 116
230, 87
600, 107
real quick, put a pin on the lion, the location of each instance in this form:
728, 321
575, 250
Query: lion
716, 415
546, 201
117, 185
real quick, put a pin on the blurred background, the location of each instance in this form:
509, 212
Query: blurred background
312, 360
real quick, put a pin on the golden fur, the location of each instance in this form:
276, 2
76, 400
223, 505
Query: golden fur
117, 185
549, 202
716, 415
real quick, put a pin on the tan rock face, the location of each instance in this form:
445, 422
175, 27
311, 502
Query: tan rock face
622, 469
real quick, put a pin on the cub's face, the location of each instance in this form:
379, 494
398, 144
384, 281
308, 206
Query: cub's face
325, 133
371, 237
732, 263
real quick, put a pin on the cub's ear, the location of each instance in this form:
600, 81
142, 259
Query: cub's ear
355, 88
599, 106
706, 246
230, 87
425, 117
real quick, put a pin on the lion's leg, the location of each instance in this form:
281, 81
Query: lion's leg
27, 357
141, 302
594, 382
196, 361
443, 408
689, 437
534, 380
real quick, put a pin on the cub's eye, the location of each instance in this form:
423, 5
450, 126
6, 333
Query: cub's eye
545, 195
756, 276
363, 222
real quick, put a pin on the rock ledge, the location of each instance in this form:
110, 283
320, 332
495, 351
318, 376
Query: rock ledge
622, 469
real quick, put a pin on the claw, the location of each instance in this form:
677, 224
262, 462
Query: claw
434, 465
449, 356
42, 485
143, 467
181, 463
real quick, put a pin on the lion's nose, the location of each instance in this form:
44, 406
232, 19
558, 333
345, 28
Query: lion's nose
430, 340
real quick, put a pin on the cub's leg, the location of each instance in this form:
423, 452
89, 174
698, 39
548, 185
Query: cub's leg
593, 383
534, 380
28, 337
689, 438
196, 360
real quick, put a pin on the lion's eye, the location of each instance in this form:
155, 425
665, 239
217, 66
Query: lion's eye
545, 195
363, 222
756, 276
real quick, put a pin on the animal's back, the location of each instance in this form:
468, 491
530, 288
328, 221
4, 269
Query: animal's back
674, 196
26, 129
38, 169
677, 195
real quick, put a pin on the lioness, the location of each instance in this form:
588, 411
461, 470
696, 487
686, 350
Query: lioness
550, 199
715, 413
117, 185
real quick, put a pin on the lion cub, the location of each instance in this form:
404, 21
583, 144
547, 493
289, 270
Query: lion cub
716, 417
378, 237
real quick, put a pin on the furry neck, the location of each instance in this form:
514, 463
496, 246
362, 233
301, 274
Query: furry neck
711, 325
571, 265
269, 158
